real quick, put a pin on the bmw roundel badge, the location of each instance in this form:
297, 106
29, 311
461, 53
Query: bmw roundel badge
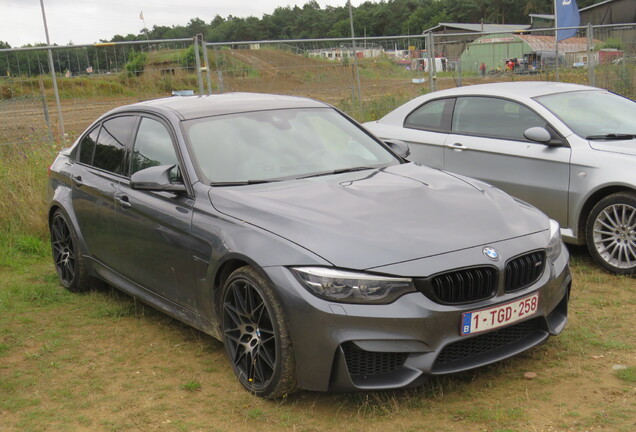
491, 253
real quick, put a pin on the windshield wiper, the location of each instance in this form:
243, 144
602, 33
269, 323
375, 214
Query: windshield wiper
338, 171
612, 136
324, 173
241, 183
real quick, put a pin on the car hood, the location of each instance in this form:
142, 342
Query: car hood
381, 216
623, 146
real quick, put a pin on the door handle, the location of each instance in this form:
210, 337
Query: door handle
457, 147
123, 201
77, 180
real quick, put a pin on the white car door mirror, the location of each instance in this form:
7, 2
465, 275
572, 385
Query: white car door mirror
538, 134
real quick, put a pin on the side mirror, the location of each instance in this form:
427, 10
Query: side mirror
156, 178
538, 134
399, 147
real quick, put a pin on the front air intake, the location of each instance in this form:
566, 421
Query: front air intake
361, 363
482, 344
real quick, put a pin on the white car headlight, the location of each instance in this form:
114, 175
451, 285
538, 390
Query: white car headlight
556, 244
352, 287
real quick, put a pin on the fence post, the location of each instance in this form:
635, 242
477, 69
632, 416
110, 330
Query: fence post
198, 64
591, 77
355, 64
219, 72
52, 70
430, 47
459, 73
45, 108
207, 65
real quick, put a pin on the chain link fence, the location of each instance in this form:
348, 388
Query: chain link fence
365, 77
91, 79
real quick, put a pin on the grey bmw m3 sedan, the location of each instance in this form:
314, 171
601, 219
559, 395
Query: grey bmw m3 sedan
319, 256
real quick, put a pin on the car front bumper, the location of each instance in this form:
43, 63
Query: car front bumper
377, 347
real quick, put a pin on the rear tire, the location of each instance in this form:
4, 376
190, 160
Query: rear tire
611, 233
255, 335
67, 258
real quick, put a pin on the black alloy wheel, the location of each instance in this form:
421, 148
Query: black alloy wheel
255, 336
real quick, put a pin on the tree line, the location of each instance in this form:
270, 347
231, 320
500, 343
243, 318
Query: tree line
384, 18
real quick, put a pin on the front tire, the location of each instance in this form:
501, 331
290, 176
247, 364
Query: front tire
255, 335
611, 233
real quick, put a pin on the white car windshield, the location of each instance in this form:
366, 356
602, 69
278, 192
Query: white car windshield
594, 114
280, 144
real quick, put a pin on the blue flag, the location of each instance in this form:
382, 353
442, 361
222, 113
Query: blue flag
567, 13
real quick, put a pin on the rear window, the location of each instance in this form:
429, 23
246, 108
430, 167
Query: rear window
431, 116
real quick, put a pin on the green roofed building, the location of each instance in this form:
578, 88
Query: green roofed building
532, 52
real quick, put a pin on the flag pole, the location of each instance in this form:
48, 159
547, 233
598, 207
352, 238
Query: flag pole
141, 15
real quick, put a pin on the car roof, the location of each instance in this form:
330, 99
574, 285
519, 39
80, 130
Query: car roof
518, 90
191, 107
528, 89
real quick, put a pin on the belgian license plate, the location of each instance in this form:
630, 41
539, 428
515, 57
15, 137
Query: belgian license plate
499, 316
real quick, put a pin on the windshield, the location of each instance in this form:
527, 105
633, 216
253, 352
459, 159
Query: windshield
593, 113
280, 144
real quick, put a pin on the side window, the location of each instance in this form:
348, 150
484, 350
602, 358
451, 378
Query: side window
431, 116
494, 117
87, 147
111, 144
153, 147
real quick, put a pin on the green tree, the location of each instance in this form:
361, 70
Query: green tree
136, 62
196, 26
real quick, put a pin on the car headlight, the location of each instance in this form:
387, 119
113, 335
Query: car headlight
555, 245
352, 287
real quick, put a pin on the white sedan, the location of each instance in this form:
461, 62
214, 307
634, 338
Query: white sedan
568, 149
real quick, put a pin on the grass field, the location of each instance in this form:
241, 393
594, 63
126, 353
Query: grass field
103, 362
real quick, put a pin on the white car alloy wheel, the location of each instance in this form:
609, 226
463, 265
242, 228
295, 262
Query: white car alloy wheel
613, 233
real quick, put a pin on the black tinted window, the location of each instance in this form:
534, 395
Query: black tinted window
432, 115
153, 146
485, 116
111, 144
87, 147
